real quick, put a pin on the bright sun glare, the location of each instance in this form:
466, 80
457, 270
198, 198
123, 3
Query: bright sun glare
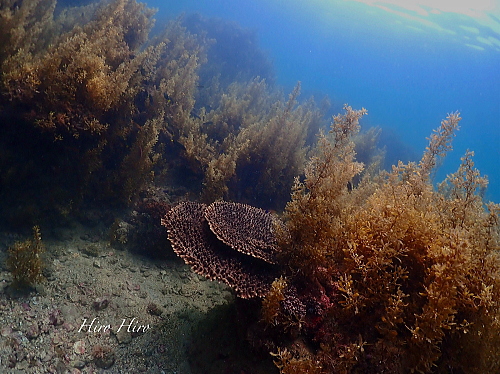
484, 13
471, 8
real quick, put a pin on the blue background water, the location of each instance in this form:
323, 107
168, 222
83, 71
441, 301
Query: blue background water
409, 69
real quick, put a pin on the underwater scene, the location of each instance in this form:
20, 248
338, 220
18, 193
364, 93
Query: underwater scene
250, 187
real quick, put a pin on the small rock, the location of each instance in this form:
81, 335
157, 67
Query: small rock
154, 309
11, 361
79, 348
22, 366
133, 287
45, 357
123, 336
78, 364
130, 303
91, 250
33, 331
100, 303
56, 317
68, 326
104, 357
26, 307
57, 340
61, 367
6, 331
105, 363
21, 355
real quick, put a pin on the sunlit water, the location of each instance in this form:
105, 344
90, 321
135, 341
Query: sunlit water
409, 62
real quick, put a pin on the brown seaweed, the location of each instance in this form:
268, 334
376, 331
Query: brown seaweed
396, 275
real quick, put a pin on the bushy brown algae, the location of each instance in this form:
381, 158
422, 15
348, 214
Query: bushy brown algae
271, 304
24, 261
251, 147
93, 104
397, 276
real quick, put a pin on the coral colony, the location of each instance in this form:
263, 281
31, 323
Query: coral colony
230, 242
357, 271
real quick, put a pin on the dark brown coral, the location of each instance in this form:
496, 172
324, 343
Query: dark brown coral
245, 228
193, 241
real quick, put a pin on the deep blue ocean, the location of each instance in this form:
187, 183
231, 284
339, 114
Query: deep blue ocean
409, 67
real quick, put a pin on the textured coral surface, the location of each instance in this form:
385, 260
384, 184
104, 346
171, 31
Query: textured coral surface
195, 242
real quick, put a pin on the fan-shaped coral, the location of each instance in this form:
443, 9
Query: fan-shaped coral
245, 228
193, 241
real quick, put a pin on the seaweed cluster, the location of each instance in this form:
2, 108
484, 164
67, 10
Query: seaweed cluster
251, 146
95, 110
25, 261
73, 102
387, 274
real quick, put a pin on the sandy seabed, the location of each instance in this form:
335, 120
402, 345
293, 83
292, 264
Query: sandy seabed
106, 310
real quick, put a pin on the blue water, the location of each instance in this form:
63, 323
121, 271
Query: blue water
409, 70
